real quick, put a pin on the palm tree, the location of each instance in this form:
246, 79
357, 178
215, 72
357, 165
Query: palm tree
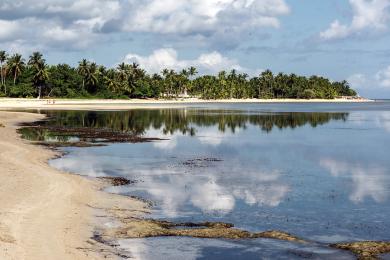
38, 63
35, 59
267, 79
92, 74
232, 78
192, 71
111, 82
3, 58
122, 71
183, 79
41, 75
169, 78
83, 70
16, 65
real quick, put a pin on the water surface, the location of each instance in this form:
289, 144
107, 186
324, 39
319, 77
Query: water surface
318, 171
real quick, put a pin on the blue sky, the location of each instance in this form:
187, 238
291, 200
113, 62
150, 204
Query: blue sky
339, 39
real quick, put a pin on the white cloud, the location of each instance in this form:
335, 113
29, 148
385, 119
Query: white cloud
383, 77
8, 29
379, 80
368, 16
69, 22
357, 81
202, 16
63, 10
59, 24
212, 62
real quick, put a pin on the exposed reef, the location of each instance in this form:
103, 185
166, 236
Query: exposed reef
142, 228
365, 250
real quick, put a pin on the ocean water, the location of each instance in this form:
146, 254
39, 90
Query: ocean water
318, 171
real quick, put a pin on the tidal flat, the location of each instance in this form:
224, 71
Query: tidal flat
318, 173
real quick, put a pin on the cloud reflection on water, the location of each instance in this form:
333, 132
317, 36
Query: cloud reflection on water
208, 190
367, 182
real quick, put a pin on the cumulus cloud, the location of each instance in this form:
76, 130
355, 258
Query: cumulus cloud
381, 79
204, 16
64, 11
368, 16
69, 22
8, 29
160, 59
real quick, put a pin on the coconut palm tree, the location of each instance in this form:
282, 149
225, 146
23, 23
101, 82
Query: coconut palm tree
41, 75
111, 82
92, 75
3, 58
232, 78
192, 71
35, 59
15, 64
83, 69
222, 79
122, 71
267, 78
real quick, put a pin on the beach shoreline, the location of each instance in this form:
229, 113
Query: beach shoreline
105, 104
47, 214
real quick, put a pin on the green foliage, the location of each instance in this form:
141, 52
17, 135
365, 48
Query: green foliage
308, 93
90, 80
25, 90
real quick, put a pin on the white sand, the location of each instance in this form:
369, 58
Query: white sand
46, 214
97, 104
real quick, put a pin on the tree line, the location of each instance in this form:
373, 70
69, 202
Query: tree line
35, 78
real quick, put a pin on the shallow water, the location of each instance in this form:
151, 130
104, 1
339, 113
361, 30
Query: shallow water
318, 171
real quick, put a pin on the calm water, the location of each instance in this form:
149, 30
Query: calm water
318, 171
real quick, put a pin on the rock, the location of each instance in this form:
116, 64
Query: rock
365, 250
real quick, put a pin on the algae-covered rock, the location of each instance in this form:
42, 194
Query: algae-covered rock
280, 235
139, 228
365, 250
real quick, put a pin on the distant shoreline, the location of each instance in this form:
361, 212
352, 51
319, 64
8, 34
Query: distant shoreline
69, 104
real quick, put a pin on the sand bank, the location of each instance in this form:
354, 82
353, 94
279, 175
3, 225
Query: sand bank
104, 104
44, 213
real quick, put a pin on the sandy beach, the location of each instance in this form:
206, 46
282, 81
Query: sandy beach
102, 104
46, 214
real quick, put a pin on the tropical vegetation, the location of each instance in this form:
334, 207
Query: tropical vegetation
35, 78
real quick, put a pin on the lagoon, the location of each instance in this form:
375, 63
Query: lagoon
318, 171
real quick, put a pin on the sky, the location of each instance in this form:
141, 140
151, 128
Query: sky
337, 39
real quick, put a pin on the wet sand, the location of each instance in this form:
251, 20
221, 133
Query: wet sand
104, 104
44, 213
